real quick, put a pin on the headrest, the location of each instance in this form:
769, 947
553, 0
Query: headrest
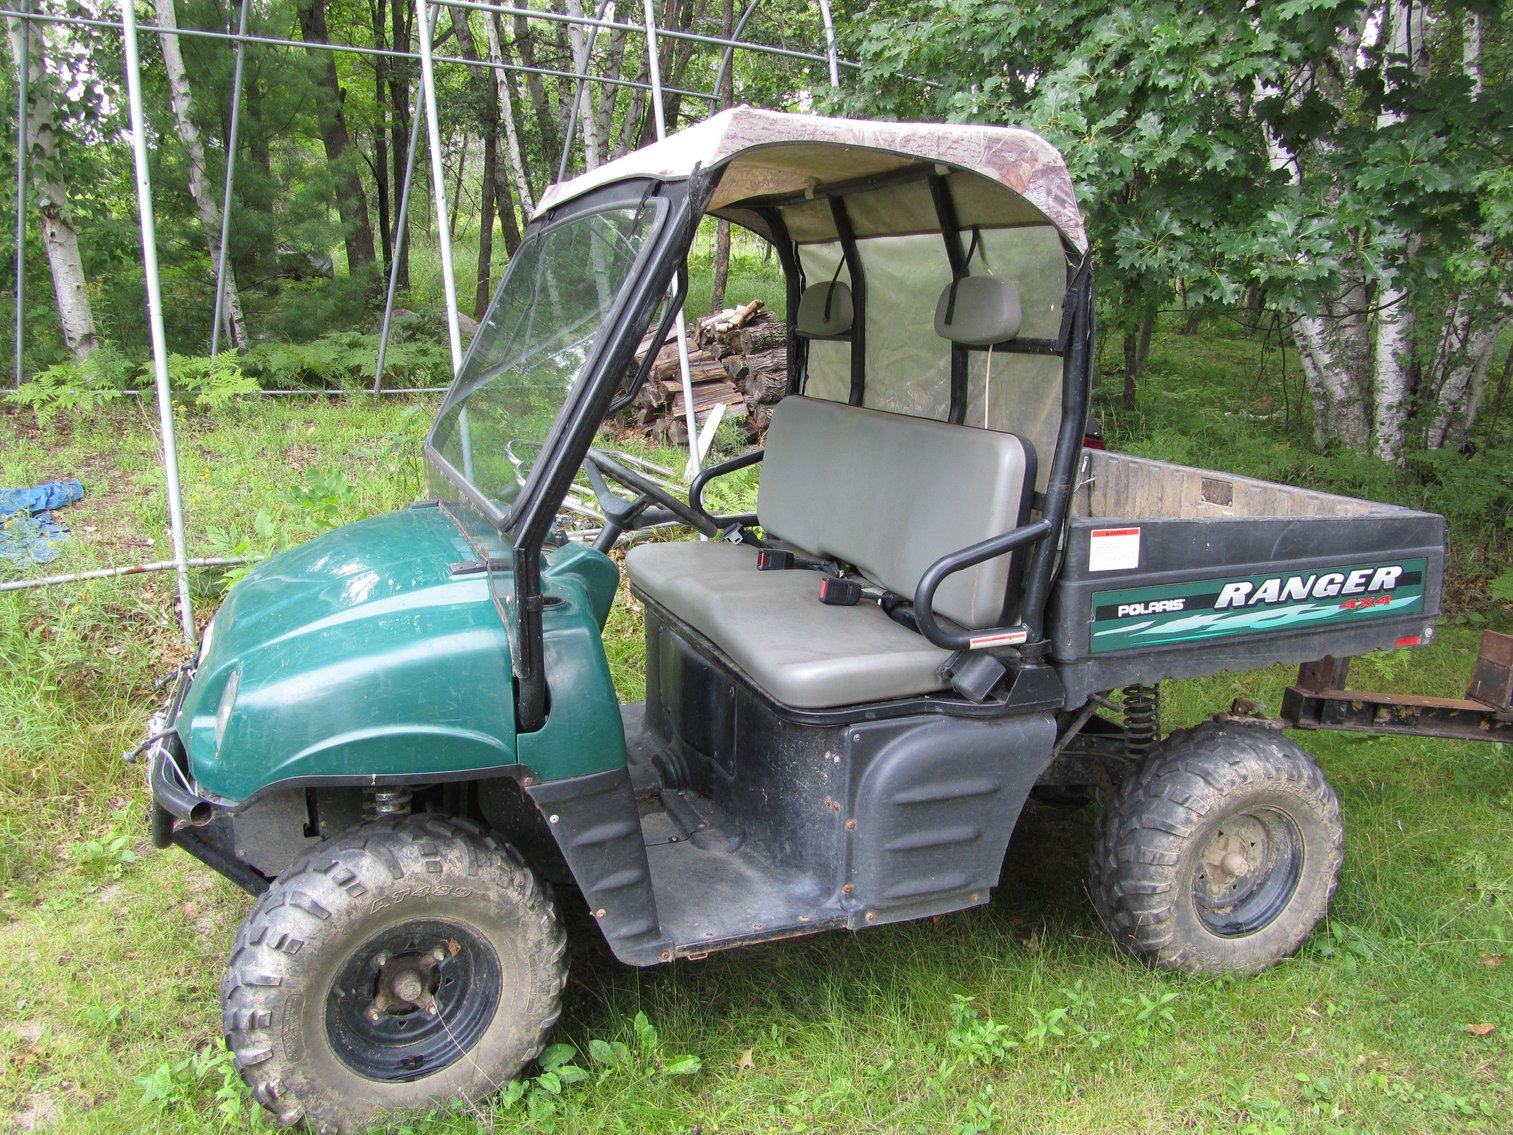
825, 311
978, 311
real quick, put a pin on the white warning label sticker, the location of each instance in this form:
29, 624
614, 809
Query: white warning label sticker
1113, 549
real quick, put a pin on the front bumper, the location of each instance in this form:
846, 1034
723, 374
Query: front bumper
180, 815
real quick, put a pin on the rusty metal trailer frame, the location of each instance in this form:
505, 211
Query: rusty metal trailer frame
1321, 699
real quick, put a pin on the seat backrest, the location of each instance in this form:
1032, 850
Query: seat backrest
979, 311
891, 494
826, 311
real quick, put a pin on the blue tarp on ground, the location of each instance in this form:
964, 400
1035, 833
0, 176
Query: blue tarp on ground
28, 532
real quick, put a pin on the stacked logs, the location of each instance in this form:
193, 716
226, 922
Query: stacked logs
737, 357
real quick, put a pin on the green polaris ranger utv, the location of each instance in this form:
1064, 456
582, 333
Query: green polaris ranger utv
403, 737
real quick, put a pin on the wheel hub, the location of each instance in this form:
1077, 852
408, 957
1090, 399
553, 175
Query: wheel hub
1227, 861
413, 1000
1246, 872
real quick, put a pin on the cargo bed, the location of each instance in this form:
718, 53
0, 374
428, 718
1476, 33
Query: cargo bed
1172, 572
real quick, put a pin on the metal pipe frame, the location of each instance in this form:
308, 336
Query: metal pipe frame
386, 53
401, 239
155, 317
423, 9
23, 156
232, 133
130, 28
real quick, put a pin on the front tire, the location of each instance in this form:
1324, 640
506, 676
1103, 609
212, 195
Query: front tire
1221, 854
413, 961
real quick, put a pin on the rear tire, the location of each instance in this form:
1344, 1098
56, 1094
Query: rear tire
1221, 854
413, 961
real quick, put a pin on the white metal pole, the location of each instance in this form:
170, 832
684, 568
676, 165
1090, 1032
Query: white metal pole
401, 238
23, 143
654, 68
835, 67
155, 318
439, 183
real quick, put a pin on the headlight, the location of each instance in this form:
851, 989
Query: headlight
223, 710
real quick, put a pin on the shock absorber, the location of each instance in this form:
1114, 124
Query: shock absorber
393, 800
1142, 718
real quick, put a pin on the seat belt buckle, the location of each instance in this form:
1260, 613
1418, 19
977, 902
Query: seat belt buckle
840, 592
732, 534
774, 559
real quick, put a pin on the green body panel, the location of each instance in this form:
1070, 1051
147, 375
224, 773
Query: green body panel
360, 654
583, 732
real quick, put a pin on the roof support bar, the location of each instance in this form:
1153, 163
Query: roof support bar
950, 233
853, 258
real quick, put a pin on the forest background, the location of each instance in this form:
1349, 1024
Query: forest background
1301, 214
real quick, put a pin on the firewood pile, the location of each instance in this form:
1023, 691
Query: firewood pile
737, 356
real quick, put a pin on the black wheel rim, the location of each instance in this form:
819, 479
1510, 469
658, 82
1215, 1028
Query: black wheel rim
1247, 871
413, 1000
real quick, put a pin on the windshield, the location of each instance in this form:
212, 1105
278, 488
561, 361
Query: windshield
531, 348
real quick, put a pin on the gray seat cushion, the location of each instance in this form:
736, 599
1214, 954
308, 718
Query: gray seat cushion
772, 625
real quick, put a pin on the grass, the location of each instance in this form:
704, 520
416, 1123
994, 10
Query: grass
1017, 1017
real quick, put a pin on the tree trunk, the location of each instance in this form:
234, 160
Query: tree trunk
1143, 351
608, 94
1459, 375
205, 204
381, 183
488, 112
546, 119
506, 95
351, 201
726, 94
251, 258
1131, 367
635, 111
1335, 350
462, 165
59, 238
1392, 380
1501, 397
506, 209
400, 23
588, 126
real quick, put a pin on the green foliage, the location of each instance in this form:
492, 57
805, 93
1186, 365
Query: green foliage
345, 360
1293, 149
614, 1066
209, 382
76, 386
105, 375
170, 1089
105, 857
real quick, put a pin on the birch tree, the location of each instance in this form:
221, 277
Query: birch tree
200, 189
30, 49
1347, 158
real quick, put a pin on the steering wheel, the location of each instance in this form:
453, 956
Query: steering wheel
652, 505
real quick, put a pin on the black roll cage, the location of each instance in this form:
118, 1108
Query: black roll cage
529, 524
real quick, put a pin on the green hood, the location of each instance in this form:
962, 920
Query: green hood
356, 654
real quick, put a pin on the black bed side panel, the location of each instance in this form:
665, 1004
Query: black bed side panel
1142, 600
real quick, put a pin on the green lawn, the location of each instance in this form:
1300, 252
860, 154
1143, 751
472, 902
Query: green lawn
1018, 1017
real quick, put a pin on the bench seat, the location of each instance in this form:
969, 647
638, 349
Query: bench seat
886, 496
772, 625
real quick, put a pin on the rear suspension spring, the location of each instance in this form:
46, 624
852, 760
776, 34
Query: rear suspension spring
1142, 718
